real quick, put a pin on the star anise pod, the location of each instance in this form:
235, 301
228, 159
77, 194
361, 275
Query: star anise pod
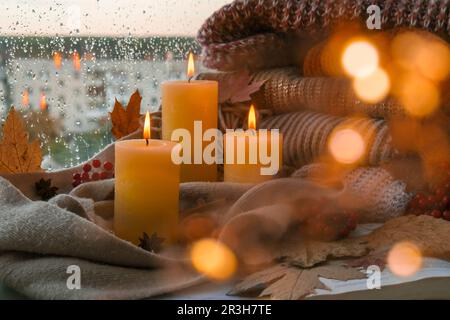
152, 243
45, 190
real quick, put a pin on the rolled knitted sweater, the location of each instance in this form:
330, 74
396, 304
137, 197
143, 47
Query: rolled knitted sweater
307, 133
260, 33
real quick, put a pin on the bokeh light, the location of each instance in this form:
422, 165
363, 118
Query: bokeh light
404, 259
25, 98
198, 226
360, 59
346, 145
419, 96
214, 259
423, 53
43, 102
76, 61
373, 88
57, 60
404, 49
434, 60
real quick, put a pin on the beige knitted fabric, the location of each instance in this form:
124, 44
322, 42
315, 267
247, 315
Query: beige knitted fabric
286, 91
306, 136
384, 198
377, 196
40, 240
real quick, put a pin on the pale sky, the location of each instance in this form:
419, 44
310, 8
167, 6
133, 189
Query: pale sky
105, 17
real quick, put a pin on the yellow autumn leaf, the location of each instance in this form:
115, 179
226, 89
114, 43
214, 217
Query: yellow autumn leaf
126, 121
17, 155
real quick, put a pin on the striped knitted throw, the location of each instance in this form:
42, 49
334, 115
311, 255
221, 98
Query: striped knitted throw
306, 134
260, 33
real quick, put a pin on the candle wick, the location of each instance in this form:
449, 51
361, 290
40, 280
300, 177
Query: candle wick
190, 78
146, 142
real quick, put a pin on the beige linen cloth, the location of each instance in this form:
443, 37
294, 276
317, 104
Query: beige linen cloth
39, 240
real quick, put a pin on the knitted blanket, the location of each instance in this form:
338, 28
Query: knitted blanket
261, 33
306, 133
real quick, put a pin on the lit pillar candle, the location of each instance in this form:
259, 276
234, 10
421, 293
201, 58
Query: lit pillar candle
146, 188
184, 102
248, 152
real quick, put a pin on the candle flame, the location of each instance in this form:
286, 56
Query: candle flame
252, 118
43, 102
191, 66
147, 129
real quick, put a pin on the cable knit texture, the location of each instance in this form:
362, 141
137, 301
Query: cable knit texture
305, 136
250, 32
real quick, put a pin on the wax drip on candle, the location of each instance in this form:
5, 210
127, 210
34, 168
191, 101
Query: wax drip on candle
147, 129
191, 67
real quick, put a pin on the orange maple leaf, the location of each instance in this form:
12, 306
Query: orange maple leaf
126, 121
16, 154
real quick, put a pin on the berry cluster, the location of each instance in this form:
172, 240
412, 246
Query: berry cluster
326, 221
94, 171
434, 202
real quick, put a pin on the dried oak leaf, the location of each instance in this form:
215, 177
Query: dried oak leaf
16, 154
238, 87
309, 253
429, 234
284, 282
45, 190
126, 121
152, 243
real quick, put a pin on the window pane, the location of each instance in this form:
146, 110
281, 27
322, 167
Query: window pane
62, 64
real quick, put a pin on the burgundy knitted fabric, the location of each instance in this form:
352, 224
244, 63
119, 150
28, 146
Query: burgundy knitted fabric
258, 33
